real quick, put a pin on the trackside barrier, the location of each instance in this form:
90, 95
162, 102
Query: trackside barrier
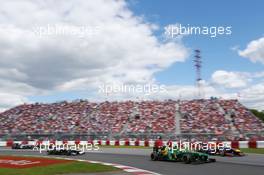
243, 144
235, 144
260, 144
145, 143
252, 144
127, 143
2, 143
9, 143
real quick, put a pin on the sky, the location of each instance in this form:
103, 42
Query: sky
84, 49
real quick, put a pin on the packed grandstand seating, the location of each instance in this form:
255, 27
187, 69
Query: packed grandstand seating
194, 116
203, 116
242, 118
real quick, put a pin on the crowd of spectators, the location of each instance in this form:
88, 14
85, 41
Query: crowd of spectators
196, 116
153, 116
203, 116
84, 117
241, 117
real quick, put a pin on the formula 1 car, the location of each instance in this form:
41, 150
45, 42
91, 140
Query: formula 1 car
22, 146
168, 154
231, 152
68, 152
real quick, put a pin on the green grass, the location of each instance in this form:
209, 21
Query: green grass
253, 150
64, 168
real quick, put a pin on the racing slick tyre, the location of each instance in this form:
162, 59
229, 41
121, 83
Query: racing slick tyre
203, 158
211, 160
186, 159
74, 153
241, 154
222, 154
68, 153
153, 157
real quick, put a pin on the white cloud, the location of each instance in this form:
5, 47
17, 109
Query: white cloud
253, 96
8, 100
258, 75
175, 92
250, 93
124, 49
254, 51
235, 48
230, 79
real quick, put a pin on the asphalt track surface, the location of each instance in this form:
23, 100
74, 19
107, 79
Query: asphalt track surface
251, 164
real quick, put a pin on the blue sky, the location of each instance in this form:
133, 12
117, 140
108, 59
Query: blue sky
245, 18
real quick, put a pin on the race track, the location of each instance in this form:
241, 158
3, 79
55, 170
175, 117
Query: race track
249, 165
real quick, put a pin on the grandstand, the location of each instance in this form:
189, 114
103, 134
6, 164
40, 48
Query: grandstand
203, 118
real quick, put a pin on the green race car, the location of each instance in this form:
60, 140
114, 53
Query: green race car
168, 154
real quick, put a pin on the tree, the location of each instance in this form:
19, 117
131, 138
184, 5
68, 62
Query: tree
259, 114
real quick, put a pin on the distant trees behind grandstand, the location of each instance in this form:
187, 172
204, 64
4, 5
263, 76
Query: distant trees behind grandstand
259, 114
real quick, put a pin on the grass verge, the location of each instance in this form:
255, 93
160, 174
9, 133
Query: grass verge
253, 150
65, 168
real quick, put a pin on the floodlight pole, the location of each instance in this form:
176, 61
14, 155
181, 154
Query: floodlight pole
198, 66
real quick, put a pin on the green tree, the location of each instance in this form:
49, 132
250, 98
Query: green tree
259, 114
